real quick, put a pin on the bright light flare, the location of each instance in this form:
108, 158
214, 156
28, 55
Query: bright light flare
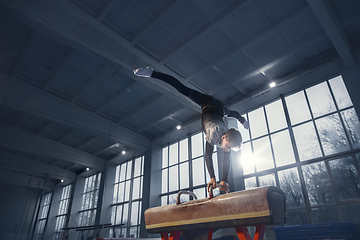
272, 84
248, 161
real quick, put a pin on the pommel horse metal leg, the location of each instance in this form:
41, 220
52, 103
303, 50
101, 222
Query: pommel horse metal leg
243, 232
173, 236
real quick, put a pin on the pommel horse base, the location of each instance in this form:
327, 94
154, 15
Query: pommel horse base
254, 207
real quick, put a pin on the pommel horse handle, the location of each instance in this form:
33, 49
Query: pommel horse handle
184, 192
211, 194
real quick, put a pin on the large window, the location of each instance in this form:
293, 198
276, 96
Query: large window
126, 207
44, 212
183, 168
89, 200
63, 211
307, 144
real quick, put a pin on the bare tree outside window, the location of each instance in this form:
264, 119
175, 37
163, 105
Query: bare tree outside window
318, 184
290, 184
346, 179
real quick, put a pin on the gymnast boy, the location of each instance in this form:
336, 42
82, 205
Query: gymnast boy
216, 131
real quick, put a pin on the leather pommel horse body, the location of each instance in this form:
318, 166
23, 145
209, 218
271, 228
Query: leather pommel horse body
254, 207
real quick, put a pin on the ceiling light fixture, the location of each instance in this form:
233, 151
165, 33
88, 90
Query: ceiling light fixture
272, 84
87, 169
62, 180
123, 152
178, 127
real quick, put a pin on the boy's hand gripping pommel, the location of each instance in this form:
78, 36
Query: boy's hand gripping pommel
144, 72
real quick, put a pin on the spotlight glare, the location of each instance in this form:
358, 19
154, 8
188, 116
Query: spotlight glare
62, 180
87, 169
178, 127
272, 84
123, 152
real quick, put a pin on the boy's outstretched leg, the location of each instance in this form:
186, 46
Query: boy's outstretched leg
194, 95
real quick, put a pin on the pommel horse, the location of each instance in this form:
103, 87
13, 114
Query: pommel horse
254, 207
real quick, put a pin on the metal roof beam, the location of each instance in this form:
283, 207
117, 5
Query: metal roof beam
329, 22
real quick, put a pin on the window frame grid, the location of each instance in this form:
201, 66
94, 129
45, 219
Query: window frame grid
93, 200
43, 215
167, 194
309, 208
62, 214
125, 230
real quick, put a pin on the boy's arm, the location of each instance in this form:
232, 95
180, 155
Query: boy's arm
226, 168
209, 164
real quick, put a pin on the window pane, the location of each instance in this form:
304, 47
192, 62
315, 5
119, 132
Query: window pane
165, 156
123, 233
164, 178
173, 154
184, 154
297, 107
121, 192
307, 142
118, 214
352, 125
326, 215
247, 159
127, 191
196, 145
173, 178
134, 213
117, 173
244, 132
216, 168
184, 198
184, 175
125, 213
142, 165
346, 179
348, 213
163, 200
283, 150
267, 180
136, 188
341, 94
297, 217
200, 193
128, 170
133, 232
275, 116
250, 183
318, 184
137, 169
172, 198
263, 155
332, 135
113, 214
198, 171
257, 123
115, 195
320, 99
122, 172
290, 184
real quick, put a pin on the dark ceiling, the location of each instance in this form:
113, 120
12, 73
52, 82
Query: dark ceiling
69, 99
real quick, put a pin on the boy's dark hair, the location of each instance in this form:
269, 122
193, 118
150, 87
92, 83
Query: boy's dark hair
235, 137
